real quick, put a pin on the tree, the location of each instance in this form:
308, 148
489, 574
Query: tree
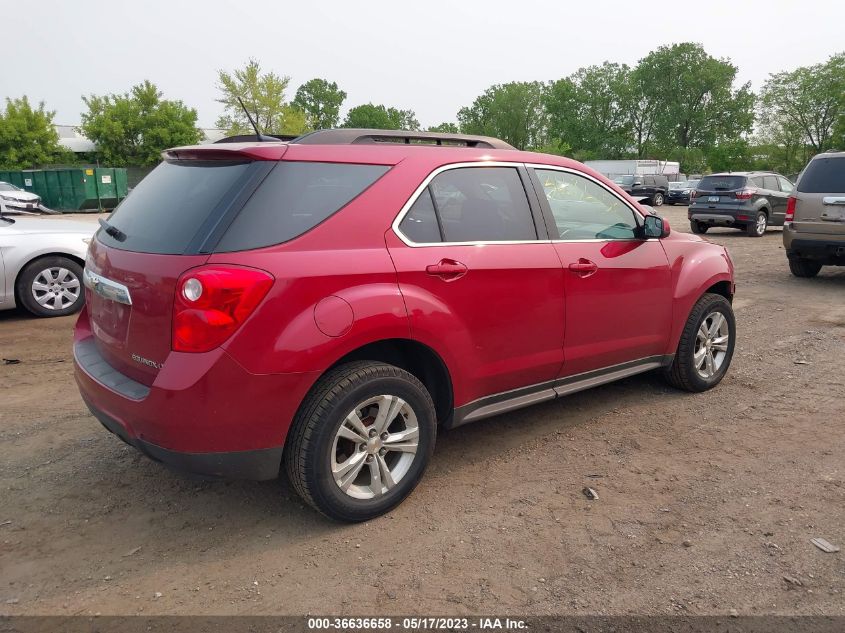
320, 101
697, 105
263, 95
27, 136
379, 117
444, 128
806, 105
133, 128
588, 112
513, 112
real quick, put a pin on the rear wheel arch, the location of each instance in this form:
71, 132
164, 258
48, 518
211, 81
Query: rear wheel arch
416, 358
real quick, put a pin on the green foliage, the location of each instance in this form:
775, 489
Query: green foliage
588, 110
513, 112
696, 105
379, 117
263, 95
444, 128
806, 106
133, 128
27, 136
321, 102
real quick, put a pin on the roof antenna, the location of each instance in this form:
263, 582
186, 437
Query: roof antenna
259, 136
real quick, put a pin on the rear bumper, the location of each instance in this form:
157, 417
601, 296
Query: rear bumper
204, 413
720, 219
825, 249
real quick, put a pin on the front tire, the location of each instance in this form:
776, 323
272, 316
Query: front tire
758, 229
706, 347
361, 440
801, 267
51, 286
657, 200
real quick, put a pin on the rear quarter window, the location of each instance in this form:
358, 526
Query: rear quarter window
294, 198
824, 175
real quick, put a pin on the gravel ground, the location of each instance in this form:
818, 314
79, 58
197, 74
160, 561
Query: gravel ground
707, 503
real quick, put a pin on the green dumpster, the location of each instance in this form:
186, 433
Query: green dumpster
106, 187
53, 199
16, 178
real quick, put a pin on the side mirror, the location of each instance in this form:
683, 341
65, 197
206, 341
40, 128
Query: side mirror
655, 226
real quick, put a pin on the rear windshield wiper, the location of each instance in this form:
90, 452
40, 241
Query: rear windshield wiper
115, 232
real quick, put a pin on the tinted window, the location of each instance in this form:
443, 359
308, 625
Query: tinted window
824, 175
584, 210
295, 198
482, 204
785, 185
757, 181
771, 183
420, 224
721, 183
165, 210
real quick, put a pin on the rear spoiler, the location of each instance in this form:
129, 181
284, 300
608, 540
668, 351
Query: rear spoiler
227, 151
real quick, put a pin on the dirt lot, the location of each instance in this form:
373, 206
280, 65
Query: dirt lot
707, 502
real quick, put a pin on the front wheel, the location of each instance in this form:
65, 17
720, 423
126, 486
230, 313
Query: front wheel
657, 200
759, 227
51, 286
361, 441
706, 347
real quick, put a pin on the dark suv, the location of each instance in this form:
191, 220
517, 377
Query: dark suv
327, 304
651, 189
749, 201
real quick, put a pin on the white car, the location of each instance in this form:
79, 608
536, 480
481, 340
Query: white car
15, 199
41, 262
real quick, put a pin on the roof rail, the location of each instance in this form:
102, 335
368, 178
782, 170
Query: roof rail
247, 138
352, 136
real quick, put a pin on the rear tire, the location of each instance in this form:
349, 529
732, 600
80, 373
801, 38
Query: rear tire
51, 286
700, 365
339, 455
801, 267
758, 228
699, 228
657, 200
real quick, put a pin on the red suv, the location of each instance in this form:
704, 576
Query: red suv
329, 302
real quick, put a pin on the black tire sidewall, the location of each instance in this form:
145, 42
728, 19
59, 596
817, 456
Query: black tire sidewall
27, 277
713, 303
328, 496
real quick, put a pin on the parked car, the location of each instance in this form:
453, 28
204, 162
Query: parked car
814, 233
749, 201
13, 199
41, 261
680, 192
648, 188
326, 304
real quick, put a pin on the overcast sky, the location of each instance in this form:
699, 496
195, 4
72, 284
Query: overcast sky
431, 56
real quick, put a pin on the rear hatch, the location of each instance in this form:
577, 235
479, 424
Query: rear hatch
820, 197
159, 232
714, 192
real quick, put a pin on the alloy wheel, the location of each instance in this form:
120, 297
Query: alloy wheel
374, 447
711, 345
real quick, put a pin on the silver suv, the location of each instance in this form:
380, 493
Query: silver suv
814, 233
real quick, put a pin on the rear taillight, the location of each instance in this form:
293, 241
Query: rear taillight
745, 194
212, 302
790, 209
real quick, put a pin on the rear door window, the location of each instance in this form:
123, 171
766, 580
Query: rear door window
167, 208
482, 204
771, 183
294, 198
420, 225
824, 175
785, 185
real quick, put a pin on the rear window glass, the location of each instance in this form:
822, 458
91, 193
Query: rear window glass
294, 198
164, 212
721, 183
824, 175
